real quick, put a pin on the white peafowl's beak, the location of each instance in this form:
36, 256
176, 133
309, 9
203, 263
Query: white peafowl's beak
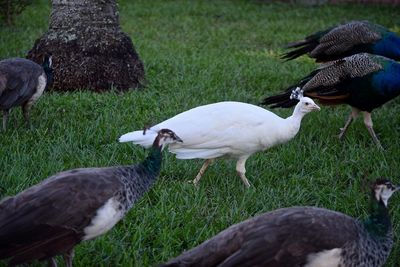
315, 107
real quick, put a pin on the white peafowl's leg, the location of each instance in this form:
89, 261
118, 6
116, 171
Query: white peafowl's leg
353, 115
241, 170
202, 170
68, 256
369, 124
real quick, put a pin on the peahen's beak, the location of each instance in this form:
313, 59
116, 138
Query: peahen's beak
397, 187
178, 139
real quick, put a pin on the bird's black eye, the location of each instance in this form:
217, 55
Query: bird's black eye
307, 103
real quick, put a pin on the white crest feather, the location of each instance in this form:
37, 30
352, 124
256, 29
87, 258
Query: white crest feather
297, 93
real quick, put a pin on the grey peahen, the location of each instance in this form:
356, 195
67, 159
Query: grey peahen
301, 237
52, 217
346, 40
22, 82
363, 81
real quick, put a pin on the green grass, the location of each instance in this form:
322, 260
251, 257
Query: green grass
199, 52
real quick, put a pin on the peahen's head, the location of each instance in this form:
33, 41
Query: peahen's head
165, 137
383, 189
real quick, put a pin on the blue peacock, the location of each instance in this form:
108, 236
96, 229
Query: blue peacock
346, 40
363, 81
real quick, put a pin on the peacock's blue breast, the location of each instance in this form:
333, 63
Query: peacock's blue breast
388, 46
374, 90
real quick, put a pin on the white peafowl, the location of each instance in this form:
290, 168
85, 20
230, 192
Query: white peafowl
227, 129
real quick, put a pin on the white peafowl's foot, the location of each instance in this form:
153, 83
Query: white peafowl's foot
244, 179
202, 171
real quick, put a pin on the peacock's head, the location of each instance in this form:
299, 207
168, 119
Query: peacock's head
305, 104
383, 189
165, 137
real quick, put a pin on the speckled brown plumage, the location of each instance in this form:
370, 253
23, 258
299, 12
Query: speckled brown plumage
346, 40
53, 213
363, 81
344, 37
335, 82
269, 240
53, 216
22, 82
298, 236
334, 73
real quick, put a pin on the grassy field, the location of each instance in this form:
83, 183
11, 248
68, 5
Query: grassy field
199, 52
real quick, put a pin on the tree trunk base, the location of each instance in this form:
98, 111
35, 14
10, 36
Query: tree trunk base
97, 61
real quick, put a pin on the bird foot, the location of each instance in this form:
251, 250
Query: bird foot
195, 183
342, 133
380, 147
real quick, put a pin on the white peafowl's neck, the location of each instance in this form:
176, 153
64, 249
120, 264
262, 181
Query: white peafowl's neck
293, 122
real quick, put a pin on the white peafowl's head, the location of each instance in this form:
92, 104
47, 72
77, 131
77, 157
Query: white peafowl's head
305, 104
165, 137
383, 189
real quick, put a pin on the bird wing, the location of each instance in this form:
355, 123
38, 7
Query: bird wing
3, 82
53, 212
337, 42
332, 82
215, 129
329, 83
18, 81
304, 46
341, 39
284, 237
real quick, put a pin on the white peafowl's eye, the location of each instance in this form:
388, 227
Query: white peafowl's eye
307, 103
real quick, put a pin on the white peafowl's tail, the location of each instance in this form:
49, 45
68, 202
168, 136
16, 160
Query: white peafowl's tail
138, 138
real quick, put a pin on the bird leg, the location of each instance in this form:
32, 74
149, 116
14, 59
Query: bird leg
368, 123
25, 112
68, 256
51, 262
241, 170
353, 115
202, 171
5, 117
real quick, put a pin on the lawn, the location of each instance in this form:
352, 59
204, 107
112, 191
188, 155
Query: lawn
199, 52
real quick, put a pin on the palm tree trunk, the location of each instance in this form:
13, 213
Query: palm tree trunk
89, 49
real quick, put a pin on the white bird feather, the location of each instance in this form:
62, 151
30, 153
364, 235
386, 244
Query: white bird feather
230, 129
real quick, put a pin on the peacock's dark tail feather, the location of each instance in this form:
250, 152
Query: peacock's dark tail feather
303, 46
282, 100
